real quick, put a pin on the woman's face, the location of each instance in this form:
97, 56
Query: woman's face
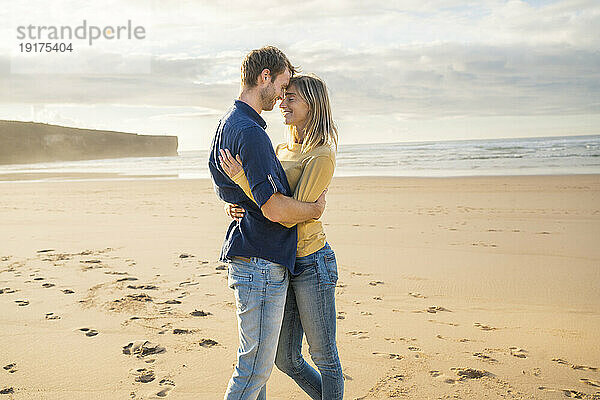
294, 108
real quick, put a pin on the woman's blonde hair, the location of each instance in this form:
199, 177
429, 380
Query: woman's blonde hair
319, 129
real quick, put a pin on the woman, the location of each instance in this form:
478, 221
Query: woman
309, 161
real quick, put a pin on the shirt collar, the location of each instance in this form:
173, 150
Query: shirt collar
250, 112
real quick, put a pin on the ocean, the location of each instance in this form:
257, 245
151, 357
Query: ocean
515, 156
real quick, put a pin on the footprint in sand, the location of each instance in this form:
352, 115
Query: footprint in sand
375, 283
441, 376
7, 290
51, 315
7, 390
129, 301
143, 375
417, 295
48, 285
129, 278
179, 331
401, 339
392, 356
116, 273
389, 386
89, 332
68, 291
22, 303
166, 310
484, 327
590, 382
437, 309
165, 327
188, 283
355, 333
584, 367
485, 358
358, 334
142, 287
39, 278
142, 348
470, 373
199, 313
208, 343
413, 348
11, 368
574, 394
574, 366
167, 386
518, 352
341, 315
90, 261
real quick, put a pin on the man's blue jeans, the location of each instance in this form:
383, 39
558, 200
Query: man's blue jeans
260, 288
310, 310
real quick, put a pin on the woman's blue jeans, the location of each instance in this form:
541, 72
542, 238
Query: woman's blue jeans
310, 310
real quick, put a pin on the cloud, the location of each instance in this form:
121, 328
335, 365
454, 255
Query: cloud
393, 61
447, 79
41, 113
203, 113
420, 81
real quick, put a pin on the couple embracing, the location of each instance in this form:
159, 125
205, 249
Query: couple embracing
281, 268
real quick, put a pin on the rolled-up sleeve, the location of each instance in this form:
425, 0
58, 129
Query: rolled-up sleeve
260, 165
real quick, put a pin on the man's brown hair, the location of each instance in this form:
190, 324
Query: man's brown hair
268, 57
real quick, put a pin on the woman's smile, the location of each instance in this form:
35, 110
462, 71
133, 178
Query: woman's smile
294, 108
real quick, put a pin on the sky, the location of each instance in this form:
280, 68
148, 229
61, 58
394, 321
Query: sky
397, 71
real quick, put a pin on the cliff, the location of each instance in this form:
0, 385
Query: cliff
30, 142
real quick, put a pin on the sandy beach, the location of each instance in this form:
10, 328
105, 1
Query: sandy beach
449, 288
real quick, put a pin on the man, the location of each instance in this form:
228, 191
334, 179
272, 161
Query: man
260, 251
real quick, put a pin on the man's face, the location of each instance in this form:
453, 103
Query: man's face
274, 90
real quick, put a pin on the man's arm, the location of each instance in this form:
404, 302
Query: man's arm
314, 180
279, 208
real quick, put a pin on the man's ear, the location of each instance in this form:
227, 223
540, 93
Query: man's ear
265, 75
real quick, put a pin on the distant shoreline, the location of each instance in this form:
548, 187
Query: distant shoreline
52, 177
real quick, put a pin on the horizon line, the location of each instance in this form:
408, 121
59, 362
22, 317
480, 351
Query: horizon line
443, 140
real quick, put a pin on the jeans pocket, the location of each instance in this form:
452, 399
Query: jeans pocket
331, 267
241, 283
277, 274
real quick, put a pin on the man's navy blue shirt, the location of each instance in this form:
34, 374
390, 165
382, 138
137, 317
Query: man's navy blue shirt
242, 131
